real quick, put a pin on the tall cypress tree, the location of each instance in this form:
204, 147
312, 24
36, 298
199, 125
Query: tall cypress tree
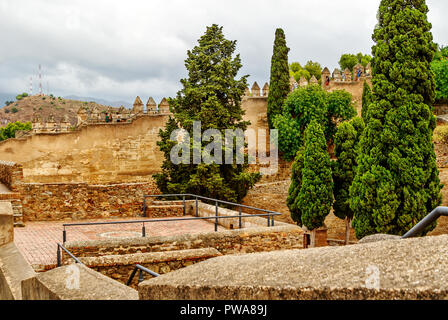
211, 95
397, 182
279, 80
366, 99
316, 193
295, 186
346, 150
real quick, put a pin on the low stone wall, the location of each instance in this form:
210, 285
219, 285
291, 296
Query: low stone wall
120, 267
261, 239
58, 201
11, 174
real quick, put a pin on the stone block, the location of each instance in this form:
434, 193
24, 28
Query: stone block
6, 223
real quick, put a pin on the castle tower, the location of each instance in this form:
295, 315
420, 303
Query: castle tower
348, 75
358, 72
292, 84
266, 90
65, 124
138, 107
337, 76
164, 106
325, 77
36, 122
255, 90
121, 114
313, 80
82, 115
51, 123
151, 106
368, 71
303, 82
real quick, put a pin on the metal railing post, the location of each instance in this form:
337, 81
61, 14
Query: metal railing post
183, 201
64, 236
216, 219
140, 276
240, 222
269, 220
197, 207
143, 230
58, 256
272, 223
144, 206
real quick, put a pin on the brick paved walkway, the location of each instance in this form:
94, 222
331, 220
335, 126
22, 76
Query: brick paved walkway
38, 239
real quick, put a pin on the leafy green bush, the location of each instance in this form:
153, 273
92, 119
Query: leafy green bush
6, 110
306, 104
14, 110
441, 134
10, 130
440, 68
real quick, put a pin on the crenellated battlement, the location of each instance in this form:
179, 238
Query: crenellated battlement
256, 92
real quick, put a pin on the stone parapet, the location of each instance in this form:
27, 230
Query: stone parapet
393, 269
75, 282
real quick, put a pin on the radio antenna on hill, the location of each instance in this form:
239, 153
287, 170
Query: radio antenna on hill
40, 80
31, 86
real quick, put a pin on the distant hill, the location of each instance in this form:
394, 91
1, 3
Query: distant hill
102, 101
23, 110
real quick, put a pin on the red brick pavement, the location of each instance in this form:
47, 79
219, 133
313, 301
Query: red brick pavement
38, 239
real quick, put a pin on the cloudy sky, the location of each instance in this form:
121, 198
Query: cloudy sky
116, 50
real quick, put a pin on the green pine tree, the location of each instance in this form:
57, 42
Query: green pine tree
279, 80
294, 188
366, 100
346, 150
397, 181
316, 193
212, 95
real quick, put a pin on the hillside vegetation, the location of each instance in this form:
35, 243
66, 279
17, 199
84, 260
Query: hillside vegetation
22, 110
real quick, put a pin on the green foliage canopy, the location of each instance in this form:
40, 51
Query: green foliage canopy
9, 131
212, 95
306, 104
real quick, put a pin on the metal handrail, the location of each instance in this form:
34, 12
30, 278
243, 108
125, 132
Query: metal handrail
58, 255
430, 218
269, 214
140, 269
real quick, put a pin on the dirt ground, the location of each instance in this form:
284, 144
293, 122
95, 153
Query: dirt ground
272, 196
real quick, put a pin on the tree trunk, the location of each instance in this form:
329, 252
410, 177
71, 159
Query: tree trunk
313, 239
347, 231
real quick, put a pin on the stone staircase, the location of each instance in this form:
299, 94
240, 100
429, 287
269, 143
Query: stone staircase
18, 213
